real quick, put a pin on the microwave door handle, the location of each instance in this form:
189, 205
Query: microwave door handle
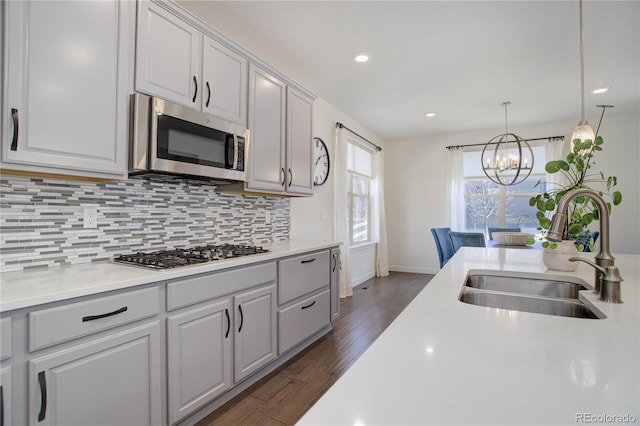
235, 151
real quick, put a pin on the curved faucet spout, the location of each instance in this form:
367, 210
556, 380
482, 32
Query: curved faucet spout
604, 257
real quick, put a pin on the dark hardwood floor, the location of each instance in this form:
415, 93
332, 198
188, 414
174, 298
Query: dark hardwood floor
286, 394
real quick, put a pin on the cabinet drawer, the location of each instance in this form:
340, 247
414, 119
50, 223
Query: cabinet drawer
5, 338
50, 326
210, 286
301, 320
302, 275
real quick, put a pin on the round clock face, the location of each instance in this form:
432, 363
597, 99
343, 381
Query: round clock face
320, 162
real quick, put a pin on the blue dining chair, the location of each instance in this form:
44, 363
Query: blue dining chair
467, 239
490, 231
443, 244
583, 239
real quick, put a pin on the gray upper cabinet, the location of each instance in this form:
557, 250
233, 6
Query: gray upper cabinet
66, 86
169, 56
299, 142
224, 74
267, 113
281, 123
177, 62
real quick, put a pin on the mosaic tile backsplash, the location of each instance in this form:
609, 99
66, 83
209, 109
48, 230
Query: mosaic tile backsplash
41, 220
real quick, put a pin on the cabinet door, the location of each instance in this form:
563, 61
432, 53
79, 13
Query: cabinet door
67, 85
114, 380
169, 56
299, 143
255, 330
5, 396
267, 115
199, 351
335, 284
224, 77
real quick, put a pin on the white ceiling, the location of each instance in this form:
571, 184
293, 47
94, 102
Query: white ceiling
461, 59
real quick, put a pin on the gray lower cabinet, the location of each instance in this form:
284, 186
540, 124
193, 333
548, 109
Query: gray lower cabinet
303, 319
221, 329
109, 380
255, 330
304, 297
199, 357
5, 396
335, 284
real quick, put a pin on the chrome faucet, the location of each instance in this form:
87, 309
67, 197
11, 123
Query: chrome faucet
607, 281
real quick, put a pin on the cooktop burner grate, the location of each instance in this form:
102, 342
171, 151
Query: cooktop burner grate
165, 259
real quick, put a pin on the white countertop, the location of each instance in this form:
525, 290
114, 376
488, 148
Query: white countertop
447, 362
29, 288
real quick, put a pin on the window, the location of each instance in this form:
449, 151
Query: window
488, 204
360, 175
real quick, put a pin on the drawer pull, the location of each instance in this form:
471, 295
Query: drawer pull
308, 261
226, 312
42, 381
241, 318
309, 305
208, 95
108, 314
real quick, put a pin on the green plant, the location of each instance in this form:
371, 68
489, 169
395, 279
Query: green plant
582, 211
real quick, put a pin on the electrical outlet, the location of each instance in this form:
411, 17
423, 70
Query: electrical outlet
323, 215
267, 217
90, 217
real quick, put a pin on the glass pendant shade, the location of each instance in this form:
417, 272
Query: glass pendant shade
583, 132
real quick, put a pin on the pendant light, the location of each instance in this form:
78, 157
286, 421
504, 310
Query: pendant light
507, 159
583, 131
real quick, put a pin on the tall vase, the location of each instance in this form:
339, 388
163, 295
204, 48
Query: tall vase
558, 259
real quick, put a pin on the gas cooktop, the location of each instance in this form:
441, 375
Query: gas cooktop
165, 259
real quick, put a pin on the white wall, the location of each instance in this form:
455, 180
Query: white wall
416, 195
313, 217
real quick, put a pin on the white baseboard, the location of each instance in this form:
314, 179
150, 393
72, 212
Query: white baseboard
359, 280
413, 269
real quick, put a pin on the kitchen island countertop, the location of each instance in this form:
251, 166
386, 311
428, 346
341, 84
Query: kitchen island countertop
447, 362
24, 289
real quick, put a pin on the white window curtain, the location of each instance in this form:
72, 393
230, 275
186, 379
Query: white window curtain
456, 178
379, 224
341, 215
379, 218
555, 150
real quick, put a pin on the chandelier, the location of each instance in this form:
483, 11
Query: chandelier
507, 159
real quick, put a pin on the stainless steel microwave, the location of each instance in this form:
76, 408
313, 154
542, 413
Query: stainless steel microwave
168, 138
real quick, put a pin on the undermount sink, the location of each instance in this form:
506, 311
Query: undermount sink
526, 292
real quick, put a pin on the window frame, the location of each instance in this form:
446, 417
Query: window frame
502, 196
369, 197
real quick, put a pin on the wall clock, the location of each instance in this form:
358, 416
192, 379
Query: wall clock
320, 162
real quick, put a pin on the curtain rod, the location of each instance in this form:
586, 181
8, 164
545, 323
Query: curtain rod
548, 138
342, 126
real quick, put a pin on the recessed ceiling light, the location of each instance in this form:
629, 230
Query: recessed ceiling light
600, 90
362, 58
429, 114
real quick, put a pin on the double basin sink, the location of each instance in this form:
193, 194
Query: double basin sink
528, 292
